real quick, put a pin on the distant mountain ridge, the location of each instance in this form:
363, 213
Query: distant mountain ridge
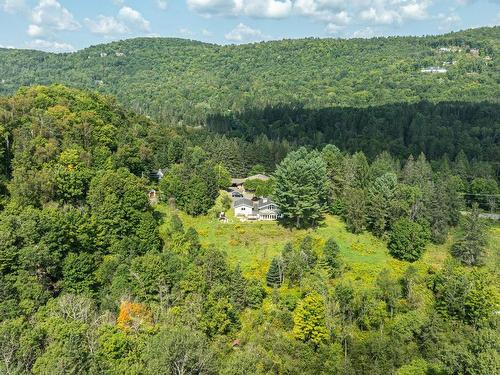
185, 81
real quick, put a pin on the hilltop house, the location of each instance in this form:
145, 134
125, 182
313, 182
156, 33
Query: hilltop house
434, 69
263, 209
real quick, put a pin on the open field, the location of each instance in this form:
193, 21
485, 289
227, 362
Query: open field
254, 244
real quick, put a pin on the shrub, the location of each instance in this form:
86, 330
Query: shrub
407, 240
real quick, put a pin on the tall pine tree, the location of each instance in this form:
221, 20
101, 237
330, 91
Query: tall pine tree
470, 249
302, 189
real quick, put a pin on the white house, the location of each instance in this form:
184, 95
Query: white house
267, 209
263, 209
434, 69
243, 207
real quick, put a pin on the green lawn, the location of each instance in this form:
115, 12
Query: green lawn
254, 244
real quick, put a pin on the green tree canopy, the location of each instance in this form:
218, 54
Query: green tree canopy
302, 190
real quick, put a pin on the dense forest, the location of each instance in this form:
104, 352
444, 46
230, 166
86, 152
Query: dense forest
438, 130
96, 280
384, 259
183, 81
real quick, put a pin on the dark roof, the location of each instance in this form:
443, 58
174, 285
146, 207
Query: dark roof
243, 202
264, 201
239, 181
157, 174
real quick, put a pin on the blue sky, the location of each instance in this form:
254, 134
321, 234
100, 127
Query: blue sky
68, 25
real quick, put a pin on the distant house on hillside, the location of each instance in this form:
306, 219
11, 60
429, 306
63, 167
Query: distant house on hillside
237, 182
433, 69
450, 49
474, 51
157, 174
263, 209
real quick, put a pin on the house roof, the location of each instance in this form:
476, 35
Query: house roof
264, 201
158, 173
239, 181
243, 202
258, 176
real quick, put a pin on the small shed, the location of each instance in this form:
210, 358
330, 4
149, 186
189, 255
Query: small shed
153, 196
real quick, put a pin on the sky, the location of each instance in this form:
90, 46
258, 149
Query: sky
70, 25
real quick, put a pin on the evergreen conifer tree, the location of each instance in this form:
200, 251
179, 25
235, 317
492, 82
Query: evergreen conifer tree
307, 251
302, 189
354, 211
274, 277
331, 252
238, 286
471, 248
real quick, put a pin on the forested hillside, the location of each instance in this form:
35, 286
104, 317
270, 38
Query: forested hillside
173, 79
377, 267
438, 130
384, 259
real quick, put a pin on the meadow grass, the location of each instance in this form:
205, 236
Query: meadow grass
252, 245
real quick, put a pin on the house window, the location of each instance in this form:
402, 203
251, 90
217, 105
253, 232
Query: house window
242, 208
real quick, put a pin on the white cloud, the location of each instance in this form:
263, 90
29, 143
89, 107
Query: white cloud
134, 17
380, 15
332, 28
206, 32
47, 18
213, 7
331, 12
251, 8
161, 4
416, 10
448, 20
105, 25
366, 32
243, 33
186, 32
51, 14
50, 46
13, 6
268, 8
35, 30
126, 21
323, 10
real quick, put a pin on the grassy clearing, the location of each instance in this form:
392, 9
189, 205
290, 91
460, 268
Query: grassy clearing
254, 244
